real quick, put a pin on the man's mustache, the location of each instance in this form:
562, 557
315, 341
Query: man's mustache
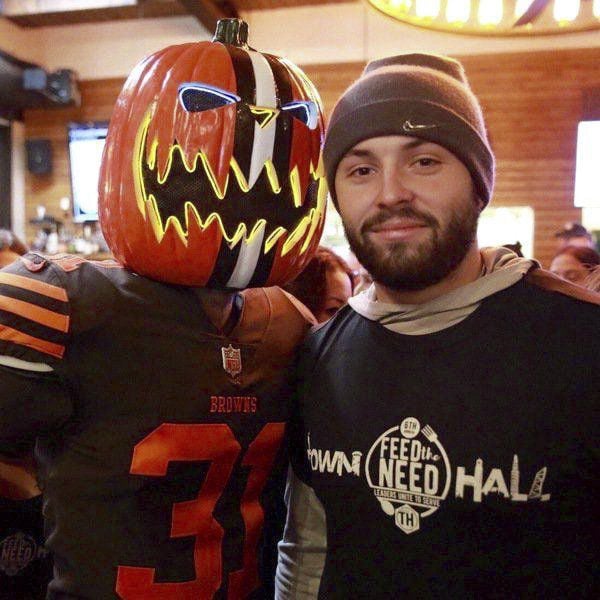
402, 212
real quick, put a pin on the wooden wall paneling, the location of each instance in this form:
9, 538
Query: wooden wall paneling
332, 80
97, 100
532, 103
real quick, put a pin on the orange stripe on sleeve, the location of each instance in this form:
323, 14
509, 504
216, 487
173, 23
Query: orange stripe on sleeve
46, 289
17, 337
35, 313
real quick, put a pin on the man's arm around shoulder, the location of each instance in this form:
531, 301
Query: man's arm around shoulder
304, 545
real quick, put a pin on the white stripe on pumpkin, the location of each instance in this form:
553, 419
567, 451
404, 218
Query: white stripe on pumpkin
266, 96
247, 260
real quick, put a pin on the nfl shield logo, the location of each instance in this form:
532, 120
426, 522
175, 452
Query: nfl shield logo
232, 361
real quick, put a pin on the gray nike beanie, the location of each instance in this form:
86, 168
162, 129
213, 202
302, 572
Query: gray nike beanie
418, 95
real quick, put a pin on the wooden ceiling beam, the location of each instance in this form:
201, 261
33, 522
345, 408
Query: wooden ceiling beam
208, 12
28, 15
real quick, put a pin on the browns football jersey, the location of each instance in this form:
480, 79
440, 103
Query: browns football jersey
159, 439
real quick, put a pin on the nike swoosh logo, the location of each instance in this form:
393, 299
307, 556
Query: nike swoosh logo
408, 126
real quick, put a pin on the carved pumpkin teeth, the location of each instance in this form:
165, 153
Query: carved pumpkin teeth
220, 192
161, 178
295, 186
312, 220
174, 224
162, 175
319, 171
193, 219
192, 215
155, 220
296, 235
248, 238
272, 176
243, 182
239, 175
316, 214
273, 238
148, 206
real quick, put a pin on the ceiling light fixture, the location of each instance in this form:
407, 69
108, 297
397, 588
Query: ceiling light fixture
495, 17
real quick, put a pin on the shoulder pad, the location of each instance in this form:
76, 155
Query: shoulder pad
34, 311
276, 326
45, 300
300, 306
272, 315
66, 262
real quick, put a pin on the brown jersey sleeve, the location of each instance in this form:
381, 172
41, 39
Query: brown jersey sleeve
548, 281
277, 324
34, 313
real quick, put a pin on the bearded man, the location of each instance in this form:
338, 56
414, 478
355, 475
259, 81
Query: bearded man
445, 432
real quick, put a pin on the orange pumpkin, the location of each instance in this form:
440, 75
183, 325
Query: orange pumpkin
212, 173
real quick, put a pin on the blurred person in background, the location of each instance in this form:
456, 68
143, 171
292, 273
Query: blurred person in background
324, 285
574, 234
362, 278
25, 564
574, 263
11, 247
592, 281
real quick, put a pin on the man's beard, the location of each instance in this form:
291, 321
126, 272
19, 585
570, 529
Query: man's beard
403, 266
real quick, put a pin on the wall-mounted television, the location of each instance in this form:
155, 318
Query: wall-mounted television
587, 166
86, 143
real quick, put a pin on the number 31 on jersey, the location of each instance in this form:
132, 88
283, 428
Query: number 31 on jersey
215, 443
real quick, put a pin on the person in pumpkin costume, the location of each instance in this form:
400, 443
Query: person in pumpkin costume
154, 387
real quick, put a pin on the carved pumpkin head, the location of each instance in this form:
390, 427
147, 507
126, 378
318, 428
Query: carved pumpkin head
212, 173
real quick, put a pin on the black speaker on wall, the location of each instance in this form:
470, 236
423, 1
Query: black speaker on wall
39, 156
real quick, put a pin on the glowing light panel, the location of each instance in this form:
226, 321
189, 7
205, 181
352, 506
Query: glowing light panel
490, 12
427, 8
495, 17
458, 11
566, 10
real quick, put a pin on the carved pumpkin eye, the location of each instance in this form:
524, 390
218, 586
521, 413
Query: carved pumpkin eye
198, 97
304, 111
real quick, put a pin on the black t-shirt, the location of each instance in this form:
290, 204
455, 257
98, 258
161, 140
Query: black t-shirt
459, 464
159, 439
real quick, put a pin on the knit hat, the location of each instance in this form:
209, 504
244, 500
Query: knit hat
571, 230
419, 95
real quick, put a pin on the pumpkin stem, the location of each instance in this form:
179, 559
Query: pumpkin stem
233, 32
